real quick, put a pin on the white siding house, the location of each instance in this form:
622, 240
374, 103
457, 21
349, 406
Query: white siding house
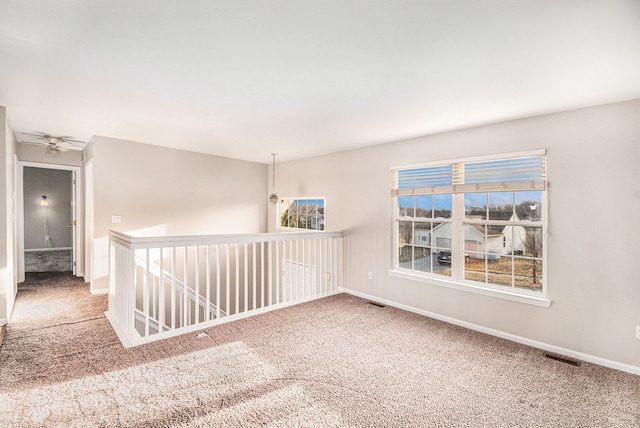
515, 237
475, 242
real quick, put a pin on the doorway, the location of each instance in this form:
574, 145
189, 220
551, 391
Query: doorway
49, 205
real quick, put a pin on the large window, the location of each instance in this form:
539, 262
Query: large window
302, 213
477, 223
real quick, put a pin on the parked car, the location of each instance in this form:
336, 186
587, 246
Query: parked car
444, 257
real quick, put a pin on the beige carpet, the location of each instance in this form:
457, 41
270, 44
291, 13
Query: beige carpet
338, 361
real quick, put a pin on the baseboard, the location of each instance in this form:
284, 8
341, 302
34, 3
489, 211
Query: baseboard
497, 333
101, 291
3, 321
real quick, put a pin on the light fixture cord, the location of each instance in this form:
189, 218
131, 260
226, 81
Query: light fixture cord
273, 171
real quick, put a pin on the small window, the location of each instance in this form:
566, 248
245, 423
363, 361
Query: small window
301, 214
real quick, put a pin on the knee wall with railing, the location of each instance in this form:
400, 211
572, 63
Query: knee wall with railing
165, 286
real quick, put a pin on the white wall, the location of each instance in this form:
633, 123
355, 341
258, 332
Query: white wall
161, 191
594, 206
8, 287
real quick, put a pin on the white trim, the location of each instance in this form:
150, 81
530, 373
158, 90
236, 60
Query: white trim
19, 213
3, 322
99, 291
520, 296
88, 199
497, 333
78, 202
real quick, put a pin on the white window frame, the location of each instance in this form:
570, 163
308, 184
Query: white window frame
457, 281
279, 213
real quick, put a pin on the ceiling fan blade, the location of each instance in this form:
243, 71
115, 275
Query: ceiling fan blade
65, 142
36, 134
68, 145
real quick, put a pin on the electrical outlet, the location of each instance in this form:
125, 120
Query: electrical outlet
638, 332
370, 275
46, 237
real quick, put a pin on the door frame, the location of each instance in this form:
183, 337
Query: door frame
77, 202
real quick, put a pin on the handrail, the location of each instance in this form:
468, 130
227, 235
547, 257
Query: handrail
141, 242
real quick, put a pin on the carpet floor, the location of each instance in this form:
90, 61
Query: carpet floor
334, 362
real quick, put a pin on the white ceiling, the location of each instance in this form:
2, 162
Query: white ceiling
244, 78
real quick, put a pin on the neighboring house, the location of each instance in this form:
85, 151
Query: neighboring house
498, 241
515, 238
317, 218
475, 241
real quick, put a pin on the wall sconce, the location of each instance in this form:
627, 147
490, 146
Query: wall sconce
43, 201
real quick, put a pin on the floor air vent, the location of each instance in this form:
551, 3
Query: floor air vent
562, 359
380, 305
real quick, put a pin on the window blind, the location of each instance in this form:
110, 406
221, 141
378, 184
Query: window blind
496, 175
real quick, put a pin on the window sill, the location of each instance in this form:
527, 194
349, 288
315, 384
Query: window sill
485, 291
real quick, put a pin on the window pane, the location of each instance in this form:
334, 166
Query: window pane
499, 271
405, 256
441, 248
441, 261
422, 234
442, 270
474, 264
296, 207
422, 259
528, 273
529, 205
500, 205
405, 232
441, 236
475, 205
533, 242
405, 206
424, 206
285, 217
317, 214
442, 205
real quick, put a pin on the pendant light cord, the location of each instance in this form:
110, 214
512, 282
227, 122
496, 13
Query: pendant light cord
273, 171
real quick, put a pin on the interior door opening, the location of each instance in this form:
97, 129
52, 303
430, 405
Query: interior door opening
49, 219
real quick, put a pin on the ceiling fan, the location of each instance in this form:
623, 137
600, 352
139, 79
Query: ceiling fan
54, 146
